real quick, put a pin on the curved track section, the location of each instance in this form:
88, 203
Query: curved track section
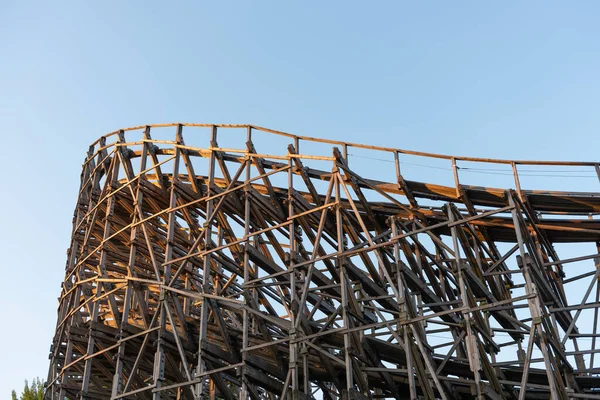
230, 261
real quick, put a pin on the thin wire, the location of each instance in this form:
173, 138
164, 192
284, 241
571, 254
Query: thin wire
473, 170
488, 171
531, 170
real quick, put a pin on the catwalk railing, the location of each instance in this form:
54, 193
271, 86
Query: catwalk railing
244, 262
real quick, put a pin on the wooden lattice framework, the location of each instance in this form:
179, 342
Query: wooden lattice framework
199, 271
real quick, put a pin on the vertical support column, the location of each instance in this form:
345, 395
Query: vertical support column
401, 299
89, 350
117, 377
306, 278
206, 273
597, 300
159, 356
172, 204
293, 347
192, 179
243, 395
472, 348
341, 240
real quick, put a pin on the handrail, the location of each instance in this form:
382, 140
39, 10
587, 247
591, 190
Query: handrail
363, 146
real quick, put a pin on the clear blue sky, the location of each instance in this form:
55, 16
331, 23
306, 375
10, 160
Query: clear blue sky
497, 79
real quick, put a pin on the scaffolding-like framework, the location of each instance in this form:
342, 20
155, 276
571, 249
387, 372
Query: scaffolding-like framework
204, 269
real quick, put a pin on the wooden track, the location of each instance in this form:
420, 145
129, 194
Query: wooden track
200, 271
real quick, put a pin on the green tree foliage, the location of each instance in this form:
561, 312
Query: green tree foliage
33, 392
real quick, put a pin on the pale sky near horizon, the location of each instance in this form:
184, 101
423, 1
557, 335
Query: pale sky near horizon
508, 79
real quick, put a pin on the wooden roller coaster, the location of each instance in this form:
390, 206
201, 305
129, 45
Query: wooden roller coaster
199, 269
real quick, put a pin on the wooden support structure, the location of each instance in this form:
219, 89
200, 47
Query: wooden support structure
260, 271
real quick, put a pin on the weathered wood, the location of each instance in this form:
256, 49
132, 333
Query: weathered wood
263, 277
